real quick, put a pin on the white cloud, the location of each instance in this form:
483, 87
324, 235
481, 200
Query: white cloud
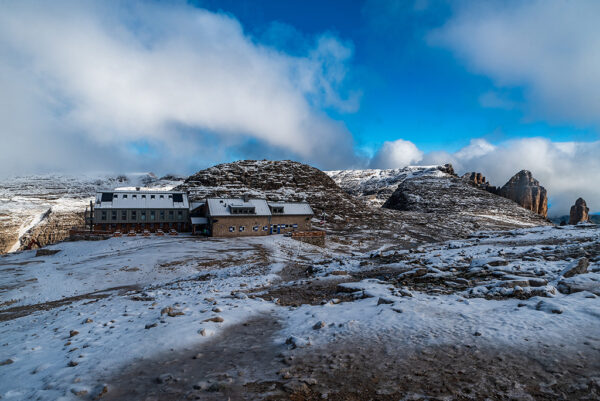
549, 48
567, 170
476, 148
395, 154
90, 78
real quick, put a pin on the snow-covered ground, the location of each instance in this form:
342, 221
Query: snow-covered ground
130, 299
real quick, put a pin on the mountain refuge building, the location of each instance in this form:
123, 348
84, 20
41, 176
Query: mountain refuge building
142, 210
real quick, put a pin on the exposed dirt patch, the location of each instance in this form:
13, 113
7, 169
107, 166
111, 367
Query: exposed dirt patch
238, 365
25, 310
364, 370
313, 292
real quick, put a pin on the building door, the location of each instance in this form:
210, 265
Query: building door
278, 228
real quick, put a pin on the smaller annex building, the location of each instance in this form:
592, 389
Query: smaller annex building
141, 210
229, 217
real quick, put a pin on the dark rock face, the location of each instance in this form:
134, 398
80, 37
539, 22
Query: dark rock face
527, 192
579, 212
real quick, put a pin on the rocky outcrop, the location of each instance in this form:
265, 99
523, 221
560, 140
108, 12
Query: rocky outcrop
53, 228
478, 180
527, 192
579, 212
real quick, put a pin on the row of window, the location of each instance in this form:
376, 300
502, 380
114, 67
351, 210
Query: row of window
108, 197
134, 196
265, 228
143, 215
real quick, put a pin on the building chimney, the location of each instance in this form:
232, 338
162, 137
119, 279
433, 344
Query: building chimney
137, 188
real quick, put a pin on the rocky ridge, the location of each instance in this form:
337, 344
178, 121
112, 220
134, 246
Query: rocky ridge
452, 203
375, 186
521, 188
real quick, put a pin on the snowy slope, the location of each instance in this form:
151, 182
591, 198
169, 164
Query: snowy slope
376, 185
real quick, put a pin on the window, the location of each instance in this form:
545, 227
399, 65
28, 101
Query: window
115, 196
125, 196
231, 229
242, 228
170, 215
143, 215
162, 214
113, 215
152, 215
295, 225
265, 228
179, 215
106, 197
152, 196
255, 228
123, 214
170, 196
103, 216
134, 215
134, 196
177, 197
162, 197
143, 196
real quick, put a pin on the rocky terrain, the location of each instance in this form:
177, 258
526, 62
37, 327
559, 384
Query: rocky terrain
500, 315
448, 291
41, 209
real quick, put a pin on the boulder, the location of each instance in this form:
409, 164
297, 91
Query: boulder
527, 192
579, 212
579, 267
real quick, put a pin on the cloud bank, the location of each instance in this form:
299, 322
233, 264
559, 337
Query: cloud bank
110, 84
548, 48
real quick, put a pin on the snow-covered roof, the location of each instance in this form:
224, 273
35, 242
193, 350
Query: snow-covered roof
222, 206
196, 205
141, 200
293, 208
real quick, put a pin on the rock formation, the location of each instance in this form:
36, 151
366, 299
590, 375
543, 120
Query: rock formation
527, 192
478, 180
579, 212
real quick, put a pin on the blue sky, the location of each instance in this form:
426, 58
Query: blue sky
174, 87
411, 89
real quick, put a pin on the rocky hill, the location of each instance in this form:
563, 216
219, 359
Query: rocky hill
42, 209
455, 206
277, 180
